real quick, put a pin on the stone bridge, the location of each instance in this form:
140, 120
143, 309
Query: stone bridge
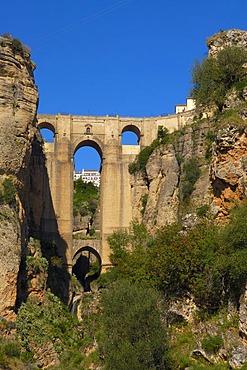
86, 244
104, 134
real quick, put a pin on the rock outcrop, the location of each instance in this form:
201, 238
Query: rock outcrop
227, 38
219, 150
229, 168
18, 105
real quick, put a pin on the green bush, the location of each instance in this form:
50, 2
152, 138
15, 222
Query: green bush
209, 139
17, 46
140, 163
9, 192
212, 344
203, 210
231, 117
47, 322
12, 349
36, 265
215, 76
86, 198
133, 336
191, 175
144, 201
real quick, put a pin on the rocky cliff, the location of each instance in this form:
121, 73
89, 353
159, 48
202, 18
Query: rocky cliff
159, 196
18, 105
210, 154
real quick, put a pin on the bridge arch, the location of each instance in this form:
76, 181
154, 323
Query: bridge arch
133, 129
87, 264
48, 125
94, 143
47, 131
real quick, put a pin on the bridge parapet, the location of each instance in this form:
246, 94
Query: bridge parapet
82, 243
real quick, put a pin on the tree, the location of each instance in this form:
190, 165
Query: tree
86, 198
215, 76
133, 335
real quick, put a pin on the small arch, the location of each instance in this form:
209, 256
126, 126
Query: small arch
47, 125
84, 260
130, 135
47, 131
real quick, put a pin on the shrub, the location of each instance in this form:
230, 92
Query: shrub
215, 76
36, 265
212, 344
57, 261
17, 46
210, 138
208, 262
144, 201
133, 336
140, 163
231, 117
9, 192
12, 349
191, 175
203, 210
86, 198
47, 322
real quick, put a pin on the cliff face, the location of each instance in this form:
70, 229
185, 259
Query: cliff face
18, 105
216, 150
228, 170
221, 184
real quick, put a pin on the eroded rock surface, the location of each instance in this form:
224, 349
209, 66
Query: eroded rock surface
18, 105
229, 168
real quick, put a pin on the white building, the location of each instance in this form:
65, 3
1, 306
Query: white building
88, 176
190, 104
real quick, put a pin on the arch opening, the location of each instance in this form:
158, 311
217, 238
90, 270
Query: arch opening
86, 197
86, 266
47, 131
130, 135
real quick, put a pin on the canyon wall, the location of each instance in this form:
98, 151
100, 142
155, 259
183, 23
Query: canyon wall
218, 149
18, 105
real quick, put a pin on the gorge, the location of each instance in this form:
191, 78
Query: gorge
189, 169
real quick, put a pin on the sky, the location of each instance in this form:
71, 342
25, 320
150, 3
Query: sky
125, 57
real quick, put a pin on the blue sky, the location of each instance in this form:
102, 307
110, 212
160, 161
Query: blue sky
126, 57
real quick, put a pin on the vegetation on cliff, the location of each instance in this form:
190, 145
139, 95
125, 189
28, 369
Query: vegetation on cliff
207, 262
215, 76
129, 320
132, 333
141, 161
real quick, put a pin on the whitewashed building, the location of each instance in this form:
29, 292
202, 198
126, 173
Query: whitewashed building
88, 176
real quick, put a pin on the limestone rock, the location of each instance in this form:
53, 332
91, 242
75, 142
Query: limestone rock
238, 357
243, 314
184, 308
18, 105
163, 175
222, 39
229, 168
9, 261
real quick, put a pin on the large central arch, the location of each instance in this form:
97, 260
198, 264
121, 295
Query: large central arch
94, 143
87, 220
